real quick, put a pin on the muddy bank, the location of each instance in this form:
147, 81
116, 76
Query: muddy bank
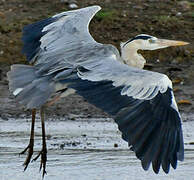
118, 21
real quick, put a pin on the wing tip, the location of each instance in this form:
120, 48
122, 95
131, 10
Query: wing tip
95, 7
145, 165
98, 7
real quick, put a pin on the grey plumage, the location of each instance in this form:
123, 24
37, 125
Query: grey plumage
141, 102
34, 89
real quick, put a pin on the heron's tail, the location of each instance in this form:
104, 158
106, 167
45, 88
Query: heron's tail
29, 88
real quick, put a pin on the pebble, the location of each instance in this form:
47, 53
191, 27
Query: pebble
179, 14
73, 6
71, 3
115, 145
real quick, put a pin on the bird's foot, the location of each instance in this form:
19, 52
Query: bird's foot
43, 154
29, 156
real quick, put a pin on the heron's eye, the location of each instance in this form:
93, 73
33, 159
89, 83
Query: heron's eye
152, 40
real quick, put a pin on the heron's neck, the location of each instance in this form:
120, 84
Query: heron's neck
131, 57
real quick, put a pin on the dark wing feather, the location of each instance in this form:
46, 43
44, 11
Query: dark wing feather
151, 127
31, 37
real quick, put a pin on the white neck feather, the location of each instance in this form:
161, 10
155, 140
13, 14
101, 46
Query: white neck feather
131, 57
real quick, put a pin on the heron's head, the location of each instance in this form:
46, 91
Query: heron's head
147, 42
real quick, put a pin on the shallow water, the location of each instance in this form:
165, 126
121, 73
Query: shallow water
82, 150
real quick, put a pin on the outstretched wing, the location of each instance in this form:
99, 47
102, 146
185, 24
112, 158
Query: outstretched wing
58, 35
142, 104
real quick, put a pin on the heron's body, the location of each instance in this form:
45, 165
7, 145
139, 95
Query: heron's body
68, 60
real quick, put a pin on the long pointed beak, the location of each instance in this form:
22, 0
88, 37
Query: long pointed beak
167, 43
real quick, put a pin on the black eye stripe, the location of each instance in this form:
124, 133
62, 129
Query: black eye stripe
137, 37
142, 37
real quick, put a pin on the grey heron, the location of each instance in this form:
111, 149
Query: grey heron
66, 59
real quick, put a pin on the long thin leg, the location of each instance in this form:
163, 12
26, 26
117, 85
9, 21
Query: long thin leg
43, 152
44, 149
30, 146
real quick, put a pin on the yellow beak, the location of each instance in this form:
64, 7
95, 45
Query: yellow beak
167, 43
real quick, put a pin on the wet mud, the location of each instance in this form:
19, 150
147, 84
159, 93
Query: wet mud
84, 148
